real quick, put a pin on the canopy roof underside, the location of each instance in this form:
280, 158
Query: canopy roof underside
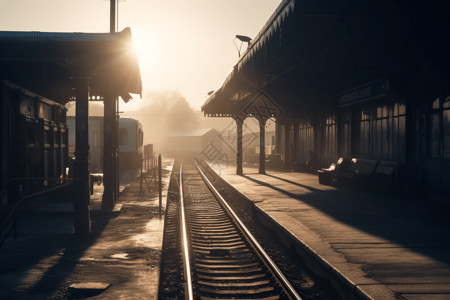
50, 63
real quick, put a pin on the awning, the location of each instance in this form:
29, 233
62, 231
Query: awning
309, 52
246, 76
272, 26
48, 62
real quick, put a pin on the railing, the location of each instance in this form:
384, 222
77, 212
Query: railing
14, 211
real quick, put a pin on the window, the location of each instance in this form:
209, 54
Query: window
439, 128
446, 126
305, 141
141, 138
381, 133
95, 139
399, 132
330, 140
346, 134
123, 136
364, 131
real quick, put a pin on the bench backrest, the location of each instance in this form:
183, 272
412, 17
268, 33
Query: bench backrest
363, 166
343, 164
387, 167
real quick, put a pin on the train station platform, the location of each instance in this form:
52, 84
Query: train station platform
380, 247
120, 260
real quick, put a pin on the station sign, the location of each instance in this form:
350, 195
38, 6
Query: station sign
366, 92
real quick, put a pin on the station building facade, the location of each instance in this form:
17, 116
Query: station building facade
353, 80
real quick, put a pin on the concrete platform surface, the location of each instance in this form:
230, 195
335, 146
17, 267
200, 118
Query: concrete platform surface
120, 259
387, 247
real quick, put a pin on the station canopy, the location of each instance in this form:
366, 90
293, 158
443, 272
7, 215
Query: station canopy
309, 51
50, 63
270, 65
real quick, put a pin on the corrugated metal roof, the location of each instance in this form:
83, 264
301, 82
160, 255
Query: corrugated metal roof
272, 25
57, 36
221, 102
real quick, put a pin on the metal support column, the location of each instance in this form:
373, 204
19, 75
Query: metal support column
288, 146
110, 141
81, 164
296, 141
116, 185
239, 122
262, 145
109, 169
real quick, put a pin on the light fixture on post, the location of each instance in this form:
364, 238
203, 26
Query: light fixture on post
243, 39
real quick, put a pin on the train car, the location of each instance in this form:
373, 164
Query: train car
95, 142
131, 144
130, 137
34, 139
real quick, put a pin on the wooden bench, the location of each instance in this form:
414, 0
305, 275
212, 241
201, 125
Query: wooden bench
359, 175
328, 176
385, 178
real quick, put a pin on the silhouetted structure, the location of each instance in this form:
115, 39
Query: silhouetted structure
72, 66
354, 79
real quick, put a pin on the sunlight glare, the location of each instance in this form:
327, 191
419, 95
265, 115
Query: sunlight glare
144, 50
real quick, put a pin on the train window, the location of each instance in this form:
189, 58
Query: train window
95, 138
123, 136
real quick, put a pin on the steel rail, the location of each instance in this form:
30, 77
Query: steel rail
188, 290
286, 285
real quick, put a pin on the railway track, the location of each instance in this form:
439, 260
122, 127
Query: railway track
210, 254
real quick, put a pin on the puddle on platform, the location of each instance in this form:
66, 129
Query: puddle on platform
120, 255
152, 237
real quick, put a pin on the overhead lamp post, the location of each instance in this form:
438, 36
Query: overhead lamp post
243, 39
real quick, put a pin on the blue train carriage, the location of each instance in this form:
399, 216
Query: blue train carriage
131, 141
95, 142
34, 138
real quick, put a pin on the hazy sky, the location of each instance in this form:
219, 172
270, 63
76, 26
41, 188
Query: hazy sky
183, 45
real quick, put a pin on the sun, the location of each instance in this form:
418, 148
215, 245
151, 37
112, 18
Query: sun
144, 47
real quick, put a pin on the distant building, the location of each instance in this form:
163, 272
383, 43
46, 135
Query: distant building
191, 142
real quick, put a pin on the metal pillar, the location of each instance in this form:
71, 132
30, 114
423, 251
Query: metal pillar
295, 148
109, 169
277, 137
116, 185
110, 139
239, 122
81, 164
287, 146
296, 141
262, 145
112, 16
